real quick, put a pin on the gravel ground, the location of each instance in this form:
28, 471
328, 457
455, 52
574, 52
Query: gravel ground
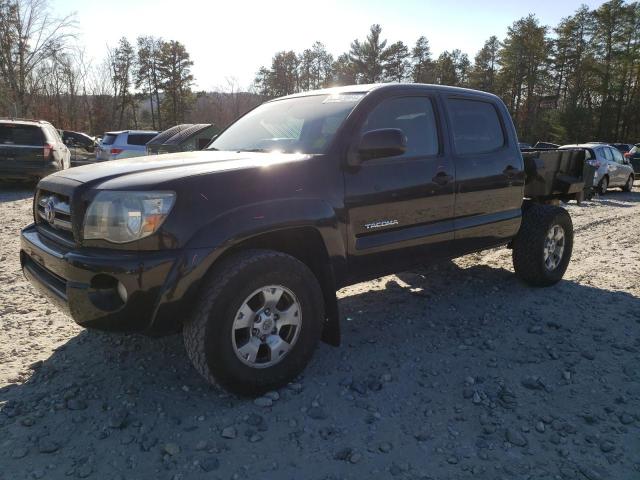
456, 371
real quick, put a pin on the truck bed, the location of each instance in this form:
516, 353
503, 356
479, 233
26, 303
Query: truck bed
556, 174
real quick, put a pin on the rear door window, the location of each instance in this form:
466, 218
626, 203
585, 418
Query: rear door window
414, 116
475, 125
140, 138
15, 134
109, 138
607, 154
617, 156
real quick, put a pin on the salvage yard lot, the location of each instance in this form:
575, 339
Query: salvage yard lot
455, 371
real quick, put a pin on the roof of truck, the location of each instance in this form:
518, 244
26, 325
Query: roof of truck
369, 87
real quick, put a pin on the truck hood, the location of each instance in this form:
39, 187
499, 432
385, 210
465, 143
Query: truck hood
176, 165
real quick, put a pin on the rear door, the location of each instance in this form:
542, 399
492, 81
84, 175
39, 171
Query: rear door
489, 172
622, 173
612, 166
401, 208
21, 147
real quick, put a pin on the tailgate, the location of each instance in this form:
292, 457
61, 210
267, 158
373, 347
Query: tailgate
21, 153
554, 173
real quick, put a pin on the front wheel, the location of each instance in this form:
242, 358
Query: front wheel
542, 249
257, 322
629, 185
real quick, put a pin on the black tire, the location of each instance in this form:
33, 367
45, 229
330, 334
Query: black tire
629, 185
603, 185
529, 245
208, 333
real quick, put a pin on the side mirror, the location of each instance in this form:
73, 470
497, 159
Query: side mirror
385, 142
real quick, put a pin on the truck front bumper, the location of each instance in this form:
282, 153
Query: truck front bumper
112, 289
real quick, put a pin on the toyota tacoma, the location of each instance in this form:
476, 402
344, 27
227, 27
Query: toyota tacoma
243, 245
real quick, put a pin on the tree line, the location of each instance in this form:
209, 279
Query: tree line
44, 74
578, 81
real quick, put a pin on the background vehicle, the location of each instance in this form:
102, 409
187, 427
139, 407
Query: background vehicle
30, 150
612, 168
186, 137
634, 157
622, 147
123, 144
245, 244
524, 146
81, 146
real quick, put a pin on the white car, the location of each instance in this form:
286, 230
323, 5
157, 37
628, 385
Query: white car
612, 168
123, 144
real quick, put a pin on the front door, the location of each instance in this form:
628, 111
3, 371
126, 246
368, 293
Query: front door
400, 208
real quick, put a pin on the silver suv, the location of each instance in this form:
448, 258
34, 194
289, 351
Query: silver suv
123, 144
612, 168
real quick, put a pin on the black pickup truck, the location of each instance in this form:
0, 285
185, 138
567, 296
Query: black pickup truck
244, 245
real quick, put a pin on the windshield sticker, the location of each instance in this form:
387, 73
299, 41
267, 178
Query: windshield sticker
343, 98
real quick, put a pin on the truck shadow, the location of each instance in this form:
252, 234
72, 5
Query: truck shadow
425, 330
441, 306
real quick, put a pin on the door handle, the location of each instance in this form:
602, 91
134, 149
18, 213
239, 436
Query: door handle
442, 178
510, 171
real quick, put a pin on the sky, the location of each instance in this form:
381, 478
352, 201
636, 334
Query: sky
232, 39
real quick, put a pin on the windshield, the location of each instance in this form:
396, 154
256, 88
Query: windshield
294, 125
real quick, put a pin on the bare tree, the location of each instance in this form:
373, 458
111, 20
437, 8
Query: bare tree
29, 36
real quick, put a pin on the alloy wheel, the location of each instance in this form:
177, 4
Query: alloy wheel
266, 326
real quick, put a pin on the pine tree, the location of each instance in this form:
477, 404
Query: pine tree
422, 70
397, 66
369, 57
174, 67
484, 71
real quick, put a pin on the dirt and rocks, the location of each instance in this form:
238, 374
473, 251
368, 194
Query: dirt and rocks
456, 371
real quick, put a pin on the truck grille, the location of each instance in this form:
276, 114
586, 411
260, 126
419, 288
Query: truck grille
53, 216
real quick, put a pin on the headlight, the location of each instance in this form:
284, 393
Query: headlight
122, 217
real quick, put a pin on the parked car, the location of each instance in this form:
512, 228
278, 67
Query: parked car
622, 147
243, 245
524, 145
186, 137
81, 146
123, 144
612, 168
634, 157
30, 150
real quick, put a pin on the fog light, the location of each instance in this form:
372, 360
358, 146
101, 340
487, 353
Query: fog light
122, 291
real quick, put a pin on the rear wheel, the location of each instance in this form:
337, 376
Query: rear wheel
542, 249
629, 185
603, 186
257, 323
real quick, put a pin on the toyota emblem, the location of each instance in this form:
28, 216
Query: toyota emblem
50, 210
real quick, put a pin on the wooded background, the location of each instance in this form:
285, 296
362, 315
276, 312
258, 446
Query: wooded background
575, 82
